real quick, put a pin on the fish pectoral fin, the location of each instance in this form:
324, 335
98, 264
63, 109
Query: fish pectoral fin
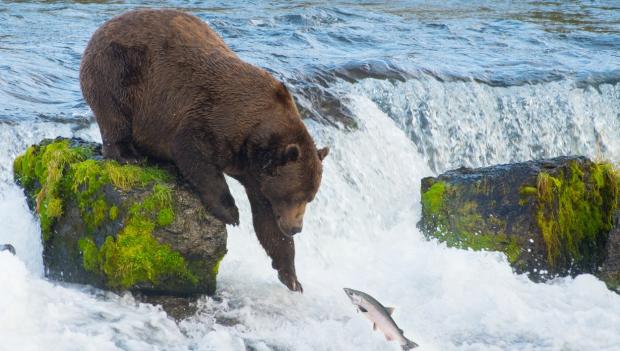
362, 309
374, 326
390, 310
388, 338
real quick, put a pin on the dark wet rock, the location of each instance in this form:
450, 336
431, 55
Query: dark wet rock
354, 71
550, 217
319, 103
119, 227
178, 308
319, 100
8, 247
610, 271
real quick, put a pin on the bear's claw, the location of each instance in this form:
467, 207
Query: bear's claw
124, 154
291, 282
128, 160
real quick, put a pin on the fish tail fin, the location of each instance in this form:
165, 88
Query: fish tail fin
409, 345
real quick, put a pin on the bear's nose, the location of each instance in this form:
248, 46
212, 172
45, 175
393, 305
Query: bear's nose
295, 230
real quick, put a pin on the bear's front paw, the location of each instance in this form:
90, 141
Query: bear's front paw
233, 215
290, 280
228, 215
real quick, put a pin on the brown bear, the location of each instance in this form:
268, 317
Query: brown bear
163, 84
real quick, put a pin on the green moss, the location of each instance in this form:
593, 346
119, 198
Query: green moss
528, 190
432, 199
56, 172
134, 256
165, 217
526, 193
216, 267
23, 168
54, 207
575, 212
99, 212
464, 227
113, 213
468, 219
160, 199
483, 242
512, 250
90, 254
88, 177
46, 166
126, 177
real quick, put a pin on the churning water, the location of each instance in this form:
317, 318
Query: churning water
430, 87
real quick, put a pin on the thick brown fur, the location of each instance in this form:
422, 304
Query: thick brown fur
162, 84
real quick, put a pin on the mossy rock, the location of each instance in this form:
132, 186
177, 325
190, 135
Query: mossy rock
119, 227
610, 270
550, 217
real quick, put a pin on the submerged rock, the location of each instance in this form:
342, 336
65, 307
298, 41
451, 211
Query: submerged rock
119, 227
550, 217
8, 247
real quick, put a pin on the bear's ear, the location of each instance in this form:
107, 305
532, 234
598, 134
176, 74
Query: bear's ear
282, 94
323, 153
291, 153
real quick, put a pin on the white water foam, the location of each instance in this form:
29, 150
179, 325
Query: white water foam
459, 123
360, 233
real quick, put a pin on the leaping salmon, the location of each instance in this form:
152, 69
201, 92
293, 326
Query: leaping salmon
380, 316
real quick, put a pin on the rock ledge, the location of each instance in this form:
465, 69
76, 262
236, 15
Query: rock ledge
119, 227
551, 218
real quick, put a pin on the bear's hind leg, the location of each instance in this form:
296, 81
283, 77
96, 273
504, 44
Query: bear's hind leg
106, 79
115, 130
280, 247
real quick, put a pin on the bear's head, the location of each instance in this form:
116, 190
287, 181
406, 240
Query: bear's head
291, 181
287, 163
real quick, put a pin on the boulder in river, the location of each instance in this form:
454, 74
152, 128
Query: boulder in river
551, 218
119, 227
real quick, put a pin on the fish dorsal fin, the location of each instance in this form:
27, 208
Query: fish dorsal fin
401, 331
374, 326
390, 310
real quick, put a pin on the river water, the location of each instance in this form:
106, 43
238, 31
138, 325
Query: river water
428, 86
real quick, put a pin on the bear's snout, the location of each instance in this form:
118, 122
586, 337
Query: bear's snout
291, 220
289, 228
294, 230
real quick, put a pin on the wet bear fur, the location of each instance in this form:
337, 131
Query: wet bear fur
163, 84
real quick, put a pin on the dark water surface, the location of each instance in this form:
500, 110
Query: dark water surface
499, 43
